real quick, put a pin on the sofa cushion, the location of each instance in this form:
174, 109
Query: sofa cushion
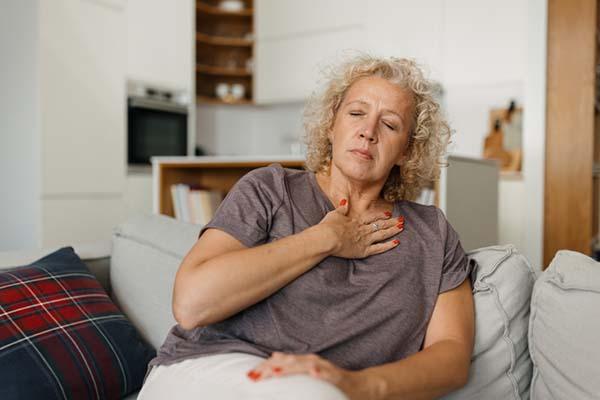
62, 336
147, 251
564, 329
500, 364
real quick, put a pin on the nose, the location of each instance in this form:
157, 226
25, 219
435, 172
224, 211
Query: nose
369, 134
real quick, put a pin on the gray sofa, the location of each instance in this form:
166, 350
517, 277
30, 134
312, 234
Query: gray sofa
536, 333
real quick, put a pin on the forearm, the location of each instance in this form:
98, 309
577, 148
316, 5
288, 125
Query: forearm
433, 372
231, 282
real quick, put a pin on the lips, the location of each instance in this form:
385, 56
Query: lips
366, 154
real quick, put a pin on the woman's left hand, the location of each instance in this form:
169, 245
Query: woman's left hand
354, 384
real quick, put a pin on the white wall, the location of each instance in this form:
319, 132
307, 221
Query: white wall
264, 130
19, 142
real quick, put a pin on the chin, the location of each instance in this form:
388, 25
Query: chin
359, 171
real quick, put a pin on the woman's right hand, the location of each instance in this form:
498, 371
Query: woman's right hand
357, 238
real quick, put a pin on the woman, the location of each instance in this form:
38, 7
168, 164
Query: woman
287, 296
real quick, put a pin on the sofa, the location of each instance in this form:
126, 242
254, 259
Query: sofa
537, 333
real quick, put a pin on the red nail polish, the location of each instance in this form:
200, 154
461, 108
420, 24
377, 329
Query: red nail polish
401, 219
400, 226
396, 241
343, 202
317, 370
253, 375
388, 214
277, 370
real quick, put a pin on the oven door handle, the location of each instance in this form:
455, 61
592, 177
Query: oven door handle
144, 103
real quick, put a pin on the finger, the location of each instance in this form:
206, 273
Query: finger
384, 234
378, 216
280, 364
379, 248
391, 222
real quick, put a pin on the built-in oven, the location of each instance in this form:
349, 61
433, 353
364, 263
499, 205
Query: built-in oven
157, 125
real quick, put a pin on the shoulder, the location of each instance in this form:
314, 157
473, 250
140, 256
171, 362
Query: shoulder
273, 176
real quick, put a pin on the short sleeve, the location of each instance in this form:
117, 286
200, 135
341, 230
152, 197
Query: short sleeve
247, 211
456, 266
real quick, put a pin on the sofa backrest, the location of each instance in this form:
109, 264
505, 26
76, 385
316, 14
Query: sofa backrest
500, 365
146, 253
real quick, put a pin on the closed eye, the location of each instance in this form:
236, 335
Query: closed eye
390, 126
356, 113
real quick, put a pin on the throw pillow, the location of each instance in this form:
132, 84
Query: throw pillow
500, 364
564, 329
61, 336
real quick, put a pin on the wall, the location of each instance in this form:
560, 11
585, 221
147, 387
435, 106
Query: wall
265, 130
19, 141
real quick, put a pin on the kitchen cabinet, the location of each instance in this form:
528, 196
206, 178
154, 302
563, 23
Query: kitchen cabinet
405, 28
280, 19
82, 97
70, 172
288, 69
287, 61
160, 42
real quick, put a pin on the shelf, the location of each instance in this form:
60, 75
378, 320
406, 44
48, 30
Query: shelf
223, 71
208, 9
223, 40
212, 173
215, 101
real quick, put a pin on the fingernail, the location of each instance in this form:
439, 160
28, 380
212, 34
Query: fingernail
396, 241
388, 214
317, 369
253, 375
343, 202
401, 219
400, 226
277, 370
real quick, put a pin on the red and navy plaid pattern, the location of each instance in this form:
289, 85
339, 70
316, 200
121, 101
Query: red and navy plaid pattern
62, 337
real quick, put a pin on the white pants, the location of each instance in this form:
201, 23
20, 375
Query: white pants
223, 377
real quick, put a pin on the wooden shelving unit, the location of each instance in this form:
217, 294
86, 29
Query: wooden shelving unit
224, 51
211, 173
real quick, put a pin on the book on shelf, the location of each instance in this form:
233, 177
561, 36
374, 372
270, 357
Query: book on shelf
193, 204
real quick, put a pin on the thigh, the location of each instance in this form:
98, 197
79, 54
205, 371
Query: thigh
223, 377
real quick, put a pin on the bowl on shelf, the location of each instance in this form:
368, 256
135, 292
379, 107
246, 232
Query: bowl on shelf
231, 5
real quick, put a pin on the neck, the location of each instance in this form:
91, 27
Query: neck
362, 197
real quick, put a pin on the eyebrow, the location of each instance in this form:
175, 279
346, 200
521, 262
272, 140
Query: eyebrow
367, 104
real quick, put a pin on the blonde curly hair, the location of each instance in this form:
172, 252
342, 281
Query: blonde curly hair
429, 136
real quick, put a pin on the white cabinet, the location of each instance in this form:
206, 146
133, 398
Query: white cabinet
296, 39
160, 40
82, 97
407, 29
484, 42
289, 69
285, 18
70, 165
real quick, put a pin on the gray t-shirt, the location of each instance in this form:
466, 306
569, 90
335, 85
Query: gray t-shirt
356, 313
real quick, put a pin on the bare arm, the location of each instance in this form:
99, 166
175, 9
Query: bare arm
220, 276
443, 364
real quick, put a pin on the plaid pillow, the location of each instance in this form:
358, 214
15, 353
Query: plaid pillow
61, 336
